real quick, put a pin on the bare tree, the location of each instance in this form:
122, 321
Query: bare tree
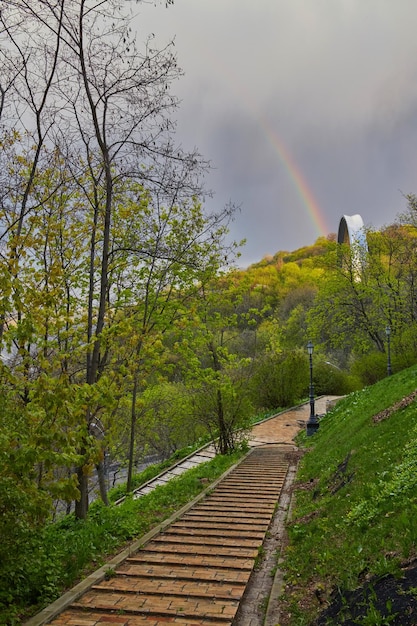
76, 83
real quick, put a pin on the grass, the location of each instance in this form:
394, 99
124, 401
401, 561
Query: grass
66, 551
355, 506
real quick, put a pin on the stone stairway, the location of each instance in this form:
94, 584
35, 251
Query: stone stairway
196, 570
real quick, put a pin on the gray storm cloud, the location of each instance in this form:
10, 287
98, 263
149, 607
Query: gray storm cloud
335, 81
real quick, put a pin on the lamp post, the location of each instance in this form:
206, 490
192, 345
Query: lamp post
388, 334
312, 422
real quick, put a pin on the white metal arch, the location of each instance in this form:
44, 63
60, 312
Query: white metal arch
352, 232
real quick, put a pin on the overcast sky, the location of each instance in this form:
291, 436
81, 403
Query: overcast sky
307, 110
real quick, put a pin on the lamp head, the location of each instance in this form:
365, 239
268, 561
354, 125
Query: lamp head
310, 348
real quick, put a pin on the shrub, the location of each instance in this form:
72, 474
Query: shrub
370, 368
328, 379
279, 380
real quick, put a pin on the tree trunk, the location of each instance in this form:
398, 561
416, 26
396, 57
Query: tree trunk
223, 439
102, 482
81, 505
132, 433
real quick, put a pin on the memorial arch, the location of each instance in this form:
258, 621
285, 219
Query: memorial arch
352, 232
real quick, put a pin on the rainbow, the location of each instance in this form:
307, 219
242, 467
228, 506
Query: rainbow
294, 173
296, 176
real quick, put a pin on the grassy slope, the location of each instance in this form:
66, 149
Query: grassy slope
355, 513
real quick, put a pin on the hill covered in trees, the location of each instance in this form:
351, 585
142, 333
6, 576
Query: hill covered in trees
193, 358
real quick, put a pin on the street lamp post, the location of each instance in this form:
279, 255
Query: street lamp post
312, 422
388, 334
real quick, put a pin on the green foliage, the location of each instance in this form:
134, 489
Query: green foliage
356, 503
370, 368
279, 379
221, 403
330, 380
168, 423
35, 450
399, 484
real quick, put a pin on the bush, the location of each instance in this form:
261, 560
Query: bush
370, 368
328, 379
279, 379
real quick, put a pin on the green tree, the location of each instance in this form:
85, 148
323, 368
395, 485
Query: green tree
178, 249
355, 305
214, 371
279, 374
168, 421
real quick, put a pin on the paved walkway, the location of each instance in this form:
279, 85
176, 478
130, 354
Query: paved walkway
260, 606
283, 428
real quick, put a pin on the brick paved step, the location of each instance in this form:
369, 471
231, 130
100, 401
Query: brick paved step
224, 531
220, 562
235, 517
265, 468
237, 506
265, 474
264, 478
150, 605
183, 572
252, 480
271, 474
203, 549
261, 469
240, 511
79, 617
243, 500
251, 495
228, 498
201, 523
252, 492
168, 539
250, 485
272, 456
196, 523
263, 483
165, 586
253, 484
